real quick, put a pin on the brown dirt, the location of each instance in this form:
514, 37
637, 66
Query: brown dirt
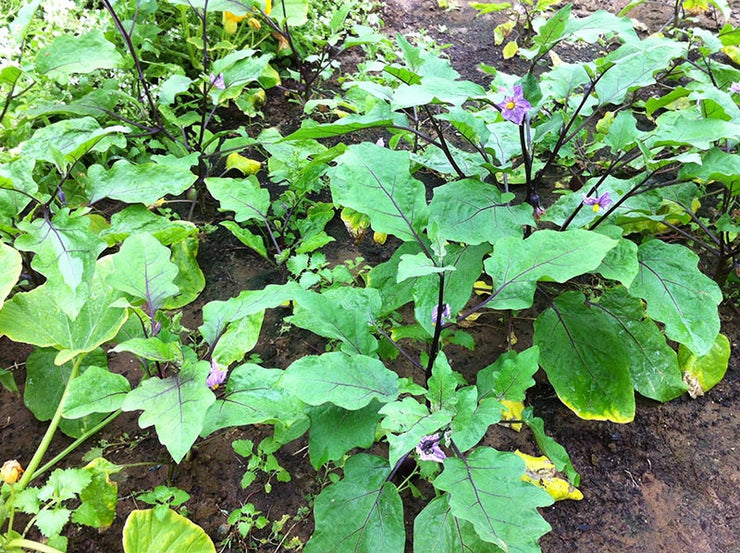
670, 481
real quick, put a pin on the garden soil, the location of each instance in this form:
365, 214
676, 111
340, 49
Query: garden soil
668, 482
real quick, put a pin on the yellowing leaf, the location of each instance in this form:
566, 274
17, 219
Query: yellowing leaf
380, 237
554, 58
733, 52
541, 472
482, 287
701, 373
603, 125
242, 164
512, 411
356, 223
510, 49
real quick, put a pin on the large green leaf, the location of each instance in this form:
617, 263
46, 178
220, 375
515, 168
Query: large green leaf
348, 381
586, 359
376, 181
362, 513
516, 265
486, 489
342, 314
11, 263
97, 390
144, 270
244, 197
143, 183
175, 405
653, 363
474, 212
70, 54
137, 219
334, 431
34, 318
253, 396
437, 530
678, 294
147, 532
65, 253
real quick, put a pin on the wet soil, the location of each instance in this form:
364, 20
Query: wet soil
669, 481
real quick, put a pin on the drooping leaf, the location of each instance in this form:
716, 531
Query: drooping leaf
12, 263
678, 294
342, 314
375, 181
486, 489
175, 405
360, 514
541, 472
252, 396
143, 183
33, 317
554, 451
653, 363
437, 530
65, 250
97, 390
474, 212
144, 532
334, 431
516, 265
348, 381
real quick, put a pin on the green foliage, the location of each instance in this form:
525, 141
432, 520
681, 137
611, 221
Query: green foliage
145, 532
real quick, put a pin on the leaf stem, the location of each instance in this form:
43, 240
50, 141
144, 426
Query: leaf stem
32, 545
51, 430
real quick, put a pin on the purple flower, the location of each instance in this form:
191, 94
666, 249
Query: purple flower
446, 313
735, 88
216, 376
429, 450
218, 81
602, 202
514, 108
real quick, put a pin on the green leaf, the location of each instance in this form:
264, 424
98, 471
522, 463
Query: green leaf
516, 265
175, 405
360, 514
12, 263
143, 183
486, 489
34, 318
678, 294
334, 431
66, 251
344, 314
244, 197
552, 450
348, 381
473, 417
707, 369
146, 533
153, 348
100, 497
190, 279
411, 421
380, 116
295, 13
715, 165
97, 390
375, 181
622, 132
552, 31
383, 277
474, 212
585, 359
619, 263
437, 530
246, 237
240, 337
510, 376
51, 522
688, 127
143, 269
253, 396
69, 55
442, 385
416, 265
137, 219
653, 363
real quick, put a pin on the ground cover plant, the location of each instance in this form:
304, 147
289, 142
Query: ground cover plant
574, 195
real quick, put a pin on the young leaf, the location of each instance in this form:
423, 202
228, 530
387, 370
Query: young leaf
678, 294
362, 513
376, 181
516, 265
144, 270
486, 489
334, 431
410, 421
348, 381
253, 396
585, 359
442, 385
175, 405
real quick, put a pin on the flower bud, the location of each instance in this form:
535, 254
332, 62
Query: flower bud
254, 23
11, 471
